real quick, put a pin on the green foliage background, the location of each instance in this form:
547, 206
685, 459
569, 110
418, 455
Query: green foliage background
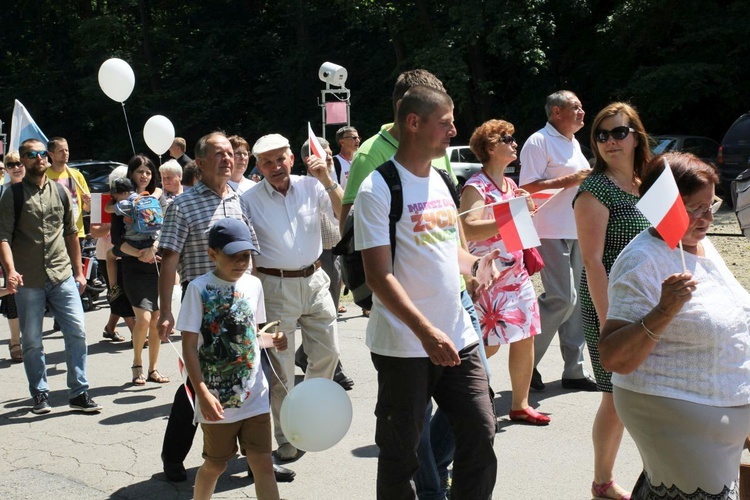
250, 67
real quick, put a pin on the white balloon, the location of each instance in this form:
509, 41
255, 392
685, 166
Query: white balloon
158, 132
316, 414
116, 78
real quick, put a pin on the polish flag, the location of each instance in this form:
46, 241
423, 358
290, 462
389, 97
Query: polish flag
98, 202
663, 207
514, 222
88, 265
183, 373
540, 198
315, 147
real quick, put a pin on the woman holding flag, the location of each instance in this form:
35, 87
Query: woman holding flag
508, 311
677, 336
607, 219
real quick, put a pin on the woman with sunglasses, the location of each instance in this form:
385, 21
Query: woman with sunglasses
508, 311
677, 336
607, 219
15, 170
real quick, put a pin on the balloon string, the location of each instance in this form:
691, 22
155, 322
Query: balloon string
270, 363
127, 124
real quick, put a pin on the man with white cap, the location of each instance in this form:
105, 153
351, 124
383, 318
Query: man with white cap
285, 210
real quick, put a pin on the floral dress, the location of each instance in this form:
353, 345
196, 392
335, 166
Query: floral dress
508, 311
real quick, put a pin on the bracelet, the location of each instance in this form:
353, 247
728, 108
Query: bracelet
649, 333
475, 268
332, 187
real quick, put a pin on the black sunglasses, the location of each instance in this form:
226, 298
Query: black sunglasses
13, 164
507, 139
32, 155
617, 133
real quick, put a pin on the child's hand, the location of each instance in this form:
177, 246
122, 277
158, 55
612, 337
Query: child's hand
280, 341
211, 408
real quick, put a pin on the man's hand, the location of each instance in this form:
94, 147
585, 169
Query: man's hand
440, 348
13, 281
487, 273
165, 324
472, 287
577, 178
81, 282
280, 341
319, 169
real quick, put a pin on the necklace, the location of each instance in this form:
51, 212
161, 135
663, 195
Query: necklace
631, 189
503, 189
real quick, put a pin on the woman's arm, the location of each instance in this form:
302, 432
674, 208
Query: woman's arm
100, 230
475, 227
623, 345
592, 218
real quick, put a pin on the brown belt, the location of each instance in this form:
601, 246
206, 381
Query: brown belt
282, 273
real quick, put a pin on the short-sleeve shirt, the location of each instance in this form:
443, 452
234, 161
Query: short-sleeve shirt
38, 243
72, 180
288, 226
186, 224
225, 315
704, 352
426, 263
345, 166
548, 154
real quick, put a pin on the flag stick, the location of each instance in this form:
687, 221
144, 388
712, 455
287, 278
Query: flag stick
182, 361
682, 254
483, 206
128, 126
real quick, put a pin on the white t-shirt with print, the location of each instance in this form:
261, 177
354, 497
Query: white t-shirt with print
426, 262
345, 167
224, 315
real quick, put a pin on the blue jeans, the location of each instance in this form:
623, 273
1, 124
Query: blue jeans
437, 443
65, 304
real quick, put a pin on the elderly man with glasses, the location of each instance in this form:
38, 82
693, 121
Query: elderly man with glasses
348, 140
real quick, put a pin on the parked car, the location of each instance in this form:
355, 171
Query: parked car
703, 147
734, 153
465, 164
96, 173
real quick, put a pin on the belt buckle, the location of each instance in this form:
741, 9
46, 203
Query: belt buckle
281, 273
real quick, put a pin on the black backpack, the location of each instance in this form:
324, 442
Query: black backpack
352, 268
741, 201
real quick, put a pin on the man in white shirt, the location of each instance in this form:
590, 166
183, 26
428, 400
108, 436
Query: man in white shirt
349, 141
286, 211
551, 159
421, 339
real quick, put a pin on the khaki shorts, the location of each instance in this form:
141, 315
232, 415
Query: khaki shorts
220, 440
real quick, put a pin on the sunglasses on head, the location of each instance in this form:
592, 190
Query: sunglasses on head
507, 139
13, 164
32, 155
617, 133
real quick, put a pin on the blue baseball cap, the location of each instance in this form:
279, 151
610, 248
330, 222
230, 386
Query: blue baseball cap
231, 236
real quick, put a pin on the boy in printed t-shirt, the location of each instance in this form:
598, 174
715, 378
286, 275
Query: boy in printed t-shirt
218, 320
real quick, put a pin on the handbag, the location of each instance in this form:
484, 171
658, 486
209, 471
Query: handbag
532, 259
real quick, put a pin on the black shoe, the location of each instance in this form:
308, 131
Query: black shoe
175, 472
580, 384
41, 404
536, 381
344, 381
84, 403
283, 475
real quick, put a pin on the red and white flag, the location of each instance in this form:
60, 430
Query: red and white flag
540, 198
183, 373
315, 147
514, 222
88, 265
663, 207
98, 202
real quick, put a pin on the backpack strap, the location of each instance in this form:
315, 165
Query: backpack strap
337, 168
392, 179
451, 185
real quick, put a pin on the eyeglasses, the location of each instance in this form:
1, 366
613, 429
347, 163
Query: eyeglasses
32, 155
703, 211
13, 164
617, 133
355, 137
242, 154
507, 139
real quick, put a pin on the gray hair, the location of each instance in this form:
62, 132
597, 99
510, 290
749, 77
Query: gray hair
171, 167
202, 144
120, 172
306, 146
558, 99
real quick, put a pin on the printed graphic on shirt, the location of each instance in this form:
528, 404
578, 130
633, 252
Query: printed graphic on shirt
433, 221
228, 354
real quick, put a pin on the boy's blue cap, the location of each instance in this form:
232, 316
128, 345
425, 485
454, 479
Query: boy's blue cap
231, 236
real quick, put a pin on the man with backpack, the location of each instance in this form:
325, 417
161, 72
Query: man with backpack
38, 246
348, 140
422, 341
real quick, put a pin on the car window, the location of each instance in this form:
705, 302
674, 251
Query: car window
705, 148
454, 156
663, 145
739, 132
468, 156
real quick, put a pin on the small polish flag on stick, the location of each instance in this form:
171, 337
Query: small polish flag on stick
88, 265
514, 223
315, 147
98, 202
540, 198
183, 374
663, 207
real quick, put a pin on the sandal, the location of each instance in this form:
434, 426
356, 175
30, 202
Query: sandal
16, 353
342, 309
155, 376
530, 416
138, 378
600, 491
113, 336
